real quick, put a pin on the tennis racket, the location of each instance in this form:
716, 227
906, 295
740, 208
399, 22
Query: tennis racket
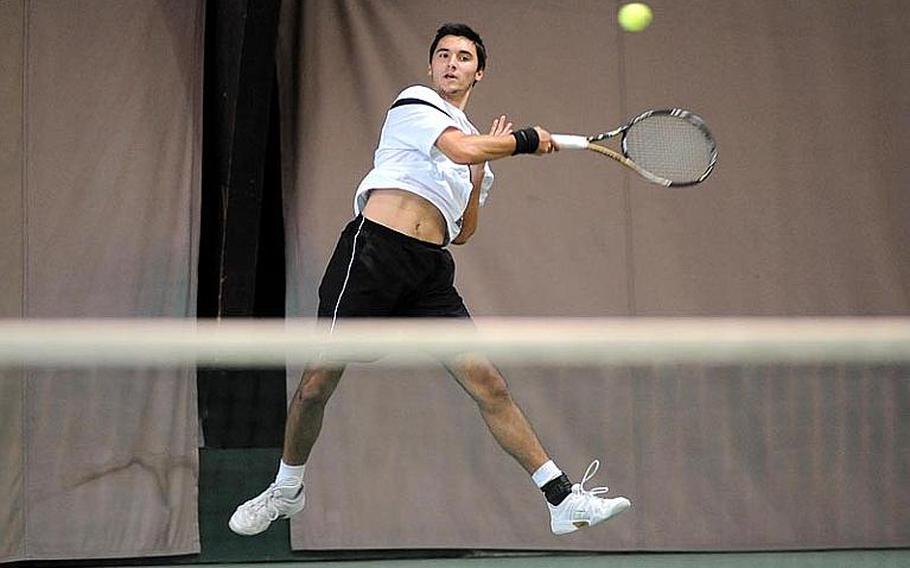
671, 147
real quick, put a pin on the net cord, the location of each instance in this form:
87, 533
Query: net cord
553, 342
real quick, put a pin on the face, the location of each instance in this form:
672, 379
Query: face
453, 67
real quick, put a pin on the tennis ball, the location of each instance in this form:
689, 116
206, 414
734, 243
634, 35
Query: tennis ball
635, 16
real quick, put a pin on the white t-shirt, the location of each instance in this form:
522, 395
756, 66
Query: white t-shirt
407, 157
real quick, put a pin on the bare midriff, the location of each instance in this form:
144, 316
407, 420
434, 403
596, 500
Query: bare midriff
407, 213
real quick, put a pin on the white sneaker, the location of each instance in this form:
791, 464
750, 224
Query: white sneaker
583, 508
276, 502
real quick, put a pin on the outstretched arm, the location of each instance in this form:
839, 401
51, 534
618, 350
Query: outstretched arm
468, 149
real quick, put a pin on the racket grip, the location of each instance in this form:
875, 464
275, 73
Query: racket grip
570, 141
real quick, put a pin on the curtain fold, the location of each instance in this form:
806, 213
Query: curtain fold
103, 187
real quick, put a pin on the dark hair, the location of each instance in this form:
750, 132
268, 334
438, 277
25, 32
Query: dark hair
461, 30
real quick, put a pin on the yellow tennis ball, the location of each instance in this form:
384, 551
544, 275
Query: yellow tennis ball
635, 16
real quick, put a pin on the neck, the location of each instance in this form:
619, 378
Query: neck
458, 99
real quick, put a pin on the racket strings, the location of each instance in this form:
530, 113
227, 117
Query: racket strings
670, 147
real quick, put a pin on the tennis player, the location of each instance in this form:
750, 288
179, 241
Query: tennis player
430, 176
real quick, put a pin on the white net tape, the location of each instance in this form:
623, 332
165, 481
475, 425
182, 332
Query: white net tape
581, 341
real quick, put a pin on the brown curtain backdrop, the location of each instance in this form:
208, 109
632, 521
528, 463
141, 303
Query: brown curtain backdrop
12, 386
100, 122
805, 215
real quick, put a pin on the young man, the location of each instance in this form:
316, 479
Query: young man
430, 176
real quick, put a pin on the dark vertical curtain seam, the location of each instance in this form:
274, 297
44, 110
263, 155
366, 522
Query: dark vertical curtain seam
228, 181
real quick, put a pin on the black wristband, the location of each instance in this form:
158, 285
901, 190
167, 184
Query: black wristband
526, 141
521, 142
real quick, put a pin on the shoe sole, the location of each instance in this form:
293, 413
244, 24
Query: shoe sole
620, 508
241, 532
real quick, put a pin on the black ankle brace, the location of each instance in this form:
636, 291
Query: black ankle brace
557, 490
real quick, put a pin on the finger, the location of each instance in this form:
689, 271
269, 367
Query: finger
500, 125
494, 126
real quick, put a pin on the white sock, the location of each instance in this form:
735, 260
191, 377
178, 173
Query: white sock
290, 473
546, 473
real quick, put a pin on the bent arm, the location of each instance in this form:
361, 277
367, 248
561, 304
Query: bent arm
477, 149
469, 149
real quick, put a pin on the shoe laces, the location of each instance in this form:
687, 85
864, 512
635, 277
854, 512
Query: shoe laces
589, 473
267, 501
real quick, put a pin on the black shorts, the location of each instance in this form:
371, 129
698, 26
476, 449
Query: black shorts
376, 271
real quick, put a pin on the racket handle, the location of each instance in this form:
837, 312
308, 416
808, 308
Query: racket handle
570, 141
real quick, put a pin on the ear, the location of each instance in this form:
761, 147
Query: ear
478, 75
430, 70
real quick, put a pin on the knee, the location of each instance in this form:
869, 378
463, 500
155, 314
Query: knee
491, 389
316, 387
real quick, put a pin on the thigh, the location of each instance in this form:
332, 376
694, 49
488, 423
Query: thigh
360, 279
437, 297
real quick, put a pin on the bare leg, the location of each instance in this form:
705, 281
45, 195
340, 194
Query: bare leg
305, 412
300, 432
486, 385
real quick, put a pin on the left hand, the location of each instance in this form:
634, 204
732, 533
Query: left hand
500, 126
